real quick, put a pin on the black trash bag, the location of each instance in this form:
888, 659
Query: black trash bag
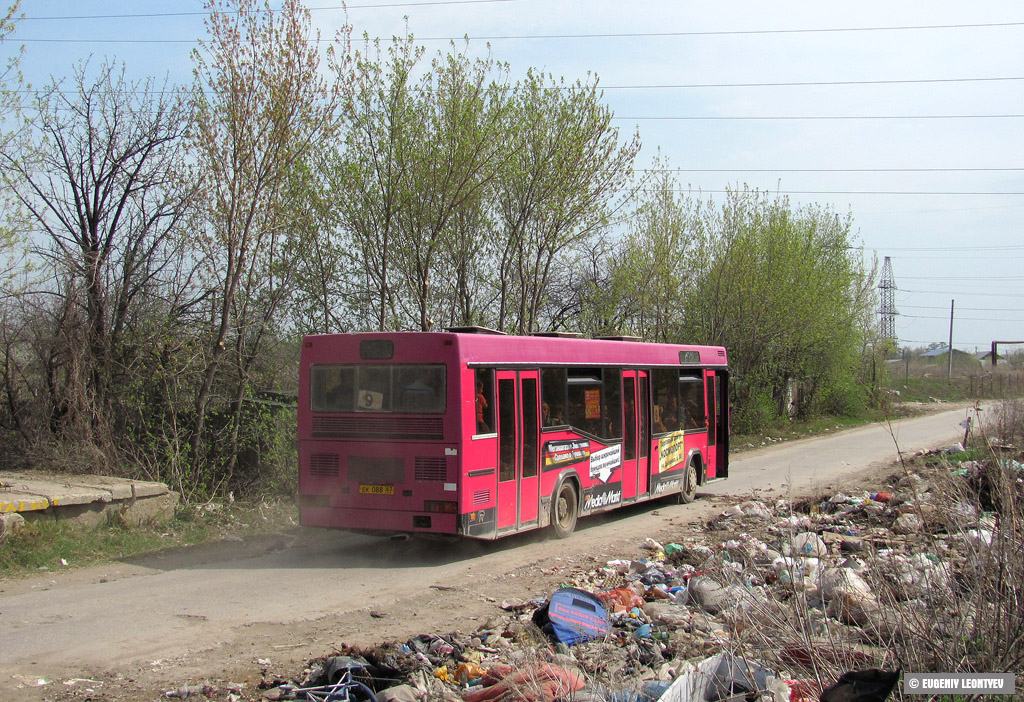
871, 685
361, 671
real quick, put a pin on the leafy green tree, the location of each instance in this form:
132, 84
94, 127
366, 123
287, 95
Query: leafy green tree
654, 269
779, 289
412, 178
368, 178
565, 167
261, 106
457, 122
10, 80
9, 72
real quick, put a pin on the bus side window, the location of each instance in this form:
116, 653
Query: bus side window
665, 384
552, 381
484, 400
584, 400
611, 427
691, 392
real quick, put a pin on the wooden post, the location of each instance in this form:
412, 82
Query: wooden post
949, 371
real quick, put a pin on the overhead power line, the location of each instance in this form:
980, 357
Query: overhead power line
960, 292
962, 319
958, 343
804, 84
610, 35
1013, 247
964, 277
829, 170
767, 118
140, 15
966, 193
964, 309
907, 81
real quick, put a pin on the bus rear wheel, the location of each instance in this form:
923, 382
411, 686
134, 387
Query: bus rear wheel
689, 491
563, 511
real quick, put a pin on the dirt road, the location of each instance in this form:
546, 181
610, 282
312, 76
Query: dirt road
209, 613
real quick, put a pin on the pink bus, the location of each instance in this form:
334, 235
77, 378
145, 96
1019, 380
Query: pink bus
474, 433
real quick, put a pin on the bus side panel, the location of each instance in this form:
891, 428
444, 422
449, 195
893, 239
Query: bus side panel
478, 467
602, 478
598, 469
669, 458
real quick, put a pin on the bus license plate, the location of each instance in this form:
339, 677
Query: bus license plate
377, 489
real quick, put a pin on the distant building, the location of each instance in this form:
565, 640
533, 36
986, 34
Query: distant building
941, 355
986, 359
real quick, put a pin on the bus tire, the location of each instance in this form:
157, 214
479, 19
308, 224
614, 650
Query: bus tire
564, 510
689, 492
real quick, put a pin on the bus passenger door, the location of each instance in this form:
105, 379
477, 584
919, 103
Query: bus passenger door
720, 424
529, 481
630, 468
711, 390
518, 449
643, 416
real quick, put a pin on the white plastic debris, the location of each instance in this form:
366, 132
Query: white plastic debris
807, 544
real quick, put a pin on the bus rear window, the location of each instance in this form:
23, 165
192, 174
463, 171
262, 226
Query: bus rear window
405, 389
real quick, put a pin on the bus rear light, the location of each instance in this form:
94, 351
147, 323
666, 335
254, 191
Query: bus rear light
441, 506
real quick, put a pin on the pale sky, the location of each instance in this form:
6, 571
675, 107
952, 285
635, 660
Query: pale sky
909, 115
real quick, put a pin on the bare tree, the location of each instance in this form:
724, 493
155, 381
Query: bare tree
99, 177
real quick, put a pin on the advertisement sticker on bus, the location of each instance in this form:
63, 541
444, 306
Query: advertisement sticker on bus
604, 462
601, 496
565, 452
672, 450
593, 402
663, 485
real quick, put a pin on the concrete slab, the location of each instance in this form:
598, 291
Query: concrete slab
84, 498
120, 488
58, 493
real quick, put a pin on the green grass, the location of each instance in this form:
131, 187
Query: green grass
55, 545
789, 430
936, 386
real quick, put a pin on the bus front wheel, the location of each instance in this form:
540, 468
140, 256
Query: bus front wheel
689, 491
564, 508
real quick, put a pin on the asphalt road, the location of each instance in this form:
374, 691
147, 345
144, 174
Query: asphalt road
210, 604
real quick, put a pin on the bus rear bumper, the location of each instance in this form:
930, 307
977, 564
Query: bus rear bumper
378, 521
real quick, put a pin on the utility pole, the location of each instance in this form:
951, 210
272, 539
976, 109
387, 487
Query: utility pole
887, 312
949, 371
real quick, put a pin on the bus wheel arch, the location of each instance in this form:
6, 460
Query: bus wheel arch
565, 508
692, 477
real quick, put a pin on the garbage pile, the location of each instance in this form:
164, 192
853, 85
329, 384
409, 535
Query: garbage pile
769, 601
